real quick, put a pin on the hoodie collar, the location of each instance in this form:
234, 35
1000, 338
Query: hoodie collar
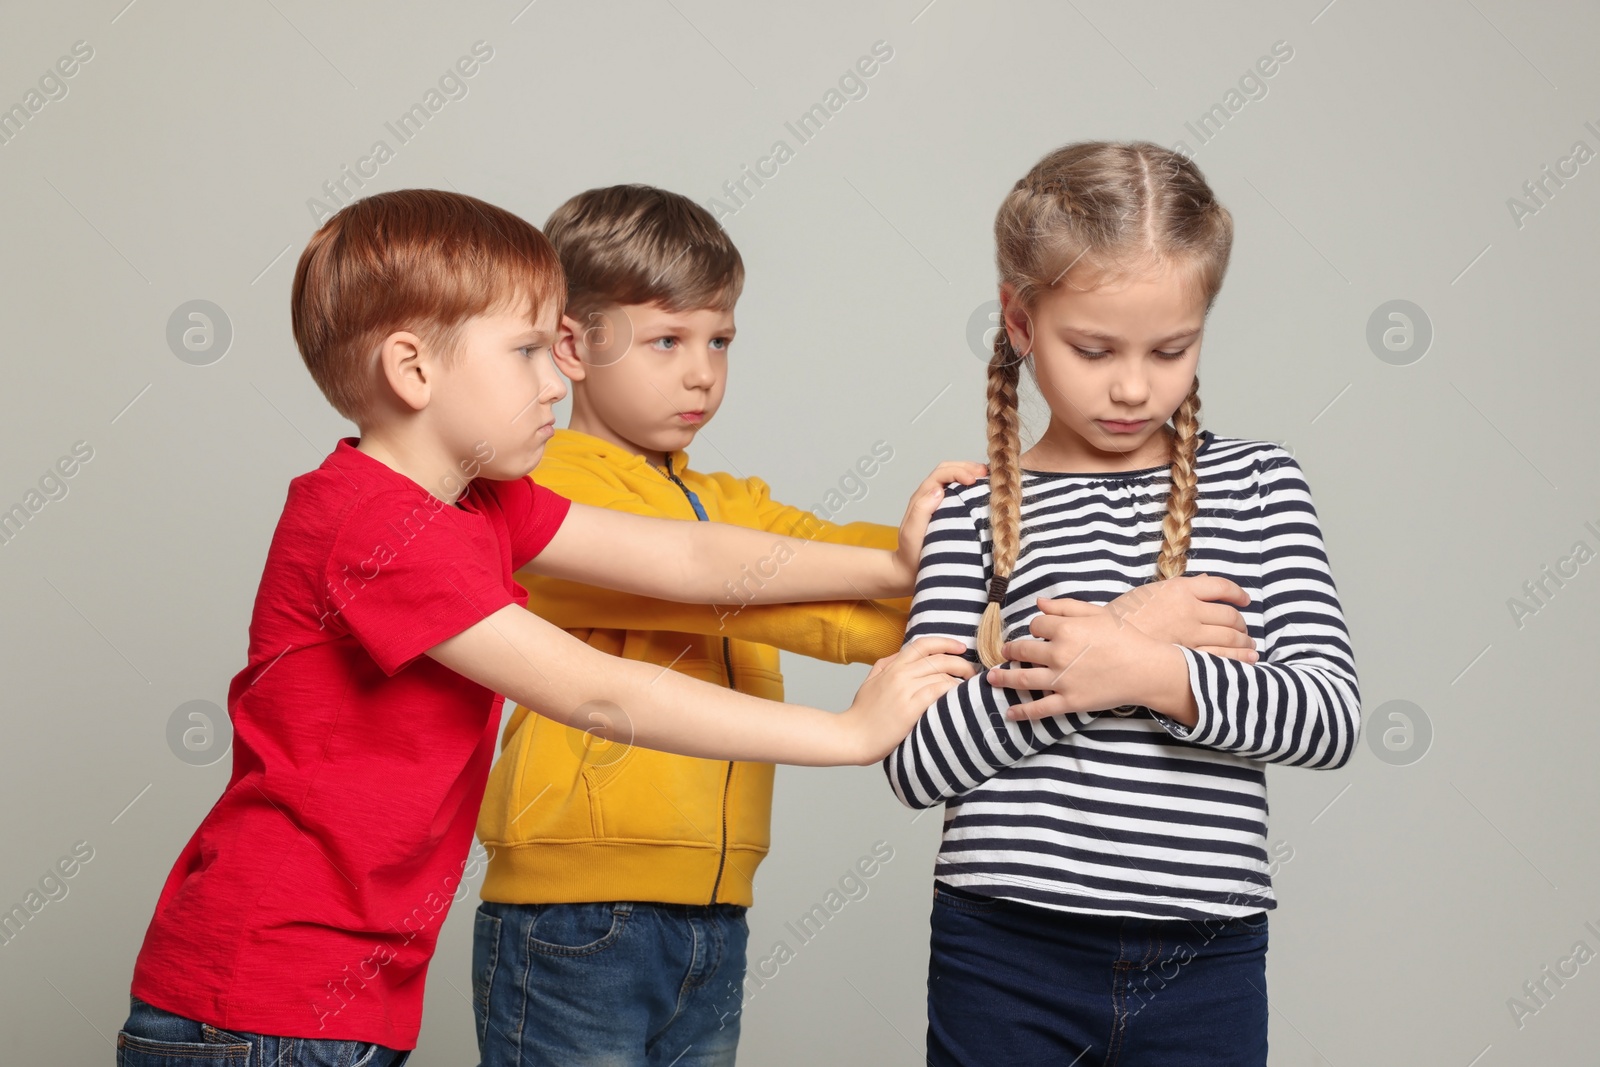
615, 454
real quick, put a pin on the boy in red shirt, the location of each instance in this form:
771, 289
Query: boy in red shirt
297, 924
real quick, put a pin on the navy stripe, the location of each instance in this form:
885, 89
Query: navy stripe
1145, 865
1244, 902
1198, 897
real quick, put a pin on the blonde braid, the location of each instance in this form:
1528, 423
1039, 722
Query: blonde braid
1005, 490
1178, 522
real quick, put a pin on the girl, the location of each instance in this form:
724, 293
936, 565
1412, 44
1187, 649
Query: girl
1102, 886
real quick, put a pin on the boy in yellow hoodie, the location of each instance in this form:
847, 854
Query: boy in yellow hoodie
612, 928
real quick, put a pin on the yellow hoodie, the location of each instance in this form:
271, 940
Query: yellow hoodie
567, 818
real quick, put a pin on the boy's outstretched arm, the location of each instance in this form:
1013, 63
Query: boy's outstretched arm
547, 670
834, 631
840, 631
710, 562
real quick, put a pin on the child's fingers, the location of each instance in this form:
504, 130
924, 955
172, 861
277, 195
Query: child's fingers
930, 646
1068, 607
934, 657
1051, 704
926, 501
1036, 679
930, 693
1223, 632
1216, 587
1027, 650
945, 473
1222, 615
1243, 655
964, 471
949, 665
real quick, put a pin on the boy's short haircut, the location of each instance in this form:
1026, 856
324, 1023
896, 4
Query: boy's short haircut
636, 244
422, 260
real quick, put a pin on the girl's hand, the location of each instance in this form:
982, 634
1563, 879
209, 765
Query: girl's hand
898, 691
1180, 611
1087, 657
923, 504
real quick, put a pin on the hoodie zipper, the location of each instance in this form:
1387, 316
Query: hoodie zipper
727, 670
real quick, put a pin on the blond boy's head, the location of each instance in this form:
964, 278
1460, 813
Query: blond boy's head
652, 281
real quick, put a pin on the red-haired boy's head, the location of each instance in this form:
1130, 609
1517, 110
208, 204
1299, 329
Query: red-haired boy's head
414, 259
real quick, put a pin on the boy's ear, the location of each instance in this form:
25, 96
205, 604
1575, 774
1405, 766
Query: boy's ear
565, 352
406, 366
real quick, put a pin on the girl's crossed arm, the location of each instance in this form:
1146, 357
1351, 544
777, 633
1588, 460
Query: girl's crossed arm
1300, 707
980, 726
974, 731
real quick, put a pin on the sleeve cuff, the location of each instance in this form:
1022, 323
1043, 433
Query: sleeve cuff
872, 630
1203, 722
1173, 727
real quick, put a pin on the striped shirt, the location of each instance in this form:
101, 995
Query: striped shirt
1128, 812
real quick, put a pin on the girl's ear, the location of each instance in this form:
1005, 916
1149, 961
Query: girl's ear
1015, 318
407, 369
568, 359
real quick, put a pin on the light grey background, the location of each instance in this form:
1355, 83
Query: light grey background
1378, 166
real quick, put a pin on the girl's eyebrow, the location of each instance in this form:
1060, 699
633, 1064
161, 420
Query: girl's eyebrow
1098, 336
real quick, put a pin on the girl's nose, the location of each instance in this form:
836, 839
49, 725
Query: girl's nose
1129, 390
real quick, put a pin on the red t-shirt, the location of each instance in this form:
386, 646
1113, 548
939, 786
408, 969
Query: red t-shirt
308, 902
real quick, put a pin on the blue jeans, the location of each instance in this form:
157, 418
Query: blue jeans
626, 984
1016, 983
155, 1038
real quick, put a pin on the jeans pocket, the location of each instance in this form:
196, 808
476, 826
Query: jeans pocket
367, 1058
963, 899
578, 929
135, 1051
485, 959
319, 1052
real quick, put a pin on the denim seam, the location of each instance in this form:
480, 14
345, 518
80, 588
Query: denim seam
706, 960
515, 1036
1152, 953
495, 923
685, 988
1119, 980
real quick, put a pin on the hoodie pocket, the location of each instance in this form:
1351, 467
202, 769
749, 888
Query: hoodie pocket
648, 795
